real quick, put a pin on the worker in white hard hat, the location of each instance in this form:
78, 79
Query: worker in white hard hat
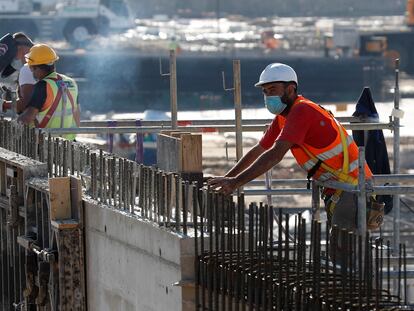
19, 45
320, 145
54, 103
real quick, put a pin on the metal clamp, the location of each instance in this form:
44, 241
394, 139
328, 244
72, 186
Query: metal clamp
224, 83
28, 242
161, 73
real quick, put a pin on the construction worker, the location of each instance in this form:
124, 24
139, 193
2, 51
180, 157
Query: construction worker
19, 44
54, 103
320, 145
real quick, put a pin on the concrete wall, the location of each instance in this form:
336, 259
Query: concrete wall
132, 264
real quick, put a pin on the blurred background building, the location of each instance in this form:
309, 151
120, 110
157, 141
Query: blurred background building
256, 8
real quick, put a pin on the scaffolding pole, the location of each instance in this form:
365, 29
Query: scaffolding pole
362, 195
173, 89
212, 128
396, 159
167, 123
238, 109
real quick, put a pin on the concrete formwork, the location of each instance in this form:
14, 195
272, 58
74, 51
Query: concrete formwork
153, 259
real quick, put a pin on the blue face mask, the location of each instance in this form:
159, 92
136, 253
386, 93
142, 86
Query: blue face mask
274, 104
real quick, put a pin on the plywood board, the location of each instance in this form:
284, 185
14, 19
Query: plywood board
59, 197
191, 153
65, 224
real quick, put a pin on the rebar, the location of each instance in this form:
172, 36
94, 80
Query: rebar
245, 259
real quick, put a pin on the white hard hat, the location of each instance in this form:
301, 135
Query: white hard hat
277, 72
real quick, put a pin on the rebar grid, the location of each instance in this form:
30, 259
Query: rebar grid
246, 260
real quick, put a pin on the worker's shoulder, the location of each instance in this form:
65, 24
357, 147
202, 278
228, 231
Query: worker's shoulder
25, 70
26, 76
70, 82
41, 84
304, 106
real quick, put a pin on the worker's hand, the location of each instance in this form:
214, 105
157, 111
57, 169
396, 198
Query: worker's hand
225, 185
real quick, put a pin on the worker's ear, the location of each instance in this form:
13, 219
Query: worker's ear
290, 89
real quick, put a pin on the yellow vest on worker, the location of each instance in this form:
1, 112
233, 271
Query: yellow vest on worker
60, 104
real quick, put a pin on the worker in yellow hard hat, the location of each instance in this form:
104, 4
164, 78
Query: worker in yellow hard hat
54, 103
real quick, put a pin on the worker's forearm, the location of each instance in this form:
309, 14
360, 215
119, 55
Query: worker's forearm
264, 163
245, 161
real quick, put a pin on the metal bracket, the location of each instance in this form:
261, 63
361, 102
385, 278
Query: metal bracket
224, 83
161, 73
27, 242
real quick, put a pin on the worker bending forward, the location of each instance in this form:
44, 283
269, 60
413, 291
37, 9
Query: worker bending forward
54, 103
320, 145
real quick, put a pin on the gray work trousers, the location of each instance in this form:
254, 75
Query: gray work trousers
345, 212
344, 216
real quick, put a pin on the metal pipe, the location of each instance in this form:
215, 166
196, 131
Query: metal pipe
377, 179
192, 129
126, 130
14, 104
362, 198
173, 88
315, 201
394, 190
139, 144
238, 108
287, 191
382, 179
167, 123
290, 191
396, 160
268, 181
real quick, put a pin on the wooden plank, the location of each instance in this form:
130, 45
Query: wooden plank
59, 198
65, 224
192, 153
169, 132
179, 134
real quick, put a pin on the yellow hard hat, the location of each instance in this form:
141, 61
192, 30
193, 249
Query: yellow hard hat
41, 54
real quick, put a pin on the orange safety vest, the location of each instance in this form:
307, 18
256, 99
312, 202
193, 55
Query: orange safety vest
334, 163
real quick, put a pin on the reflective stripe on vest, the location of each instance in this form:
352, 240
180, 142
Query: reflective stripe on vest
337, 164
62, 115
